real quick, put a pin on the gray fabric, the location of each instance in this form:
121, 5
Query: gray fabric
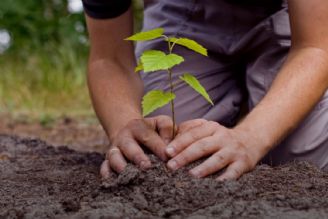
248, 42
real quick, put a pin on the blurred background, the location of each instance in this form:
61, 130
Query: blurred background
43, 57
43, 53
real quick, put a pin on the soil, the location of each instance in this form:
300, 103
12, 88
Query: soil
82, 134
41, 181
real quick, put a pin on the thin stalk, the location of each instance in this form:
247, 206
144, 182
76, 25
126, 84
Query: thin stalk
172, 103
171, 89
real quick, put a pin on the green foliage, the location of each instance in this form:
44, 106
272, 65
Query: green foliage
139, 67
42, 84
153, 60
190, 44
33, 24
43, 71
155, 99
147, 35
195, 84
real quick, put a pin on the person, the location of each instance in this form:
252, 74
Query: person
273, 54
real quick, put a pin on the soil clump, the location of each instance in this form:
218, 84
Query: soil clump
41, 181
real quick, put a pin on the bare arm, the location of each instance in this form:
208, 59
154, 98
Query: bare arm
302, 80
115, 89
116, 92
299, 85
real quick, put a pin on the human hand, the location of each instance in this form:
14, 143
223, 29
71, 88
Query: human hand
154, 133
227, 148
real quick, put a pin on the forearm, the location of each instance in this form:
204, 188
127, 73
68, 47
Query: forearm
116, 93
298, 87
115, 88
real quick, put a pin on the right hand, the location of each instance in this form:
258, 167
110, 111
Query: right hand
154, 133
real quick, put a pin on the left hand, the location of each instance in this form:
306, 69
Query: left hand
226, 147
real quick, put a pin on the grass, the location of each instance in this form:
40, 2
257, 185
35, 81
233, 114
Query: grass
45, 85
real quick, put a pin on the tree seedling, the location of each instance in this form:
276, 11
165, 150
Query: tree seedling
155, 60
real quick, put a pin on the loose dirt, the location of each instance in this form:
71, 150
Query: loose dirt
41, 181
78, 133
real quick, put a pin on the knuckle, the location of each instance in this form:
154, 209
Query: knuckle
186, 137
181, 160
164, 118
135, 124
137, 158
202, 120
224, 134
244, 157
147, 137
193, 136
204, 144
236, 172
166, 130
198, 122
219, 157
213, 124
125, 144
203, 150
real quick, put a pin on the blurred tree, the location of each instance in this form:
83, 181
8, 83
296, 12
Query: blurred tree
41, 24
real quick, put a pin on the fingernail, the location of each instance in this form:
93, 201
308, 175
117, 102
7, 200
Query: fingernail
173, 165
170, 151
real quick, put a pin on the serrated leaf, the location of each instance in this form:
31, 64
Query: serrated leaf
190, 44
196, 85
155, 99
154, 60
139, 67
147, 35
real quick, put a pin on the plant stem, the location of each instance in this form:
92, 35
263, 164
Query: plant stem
172, 103
171, 89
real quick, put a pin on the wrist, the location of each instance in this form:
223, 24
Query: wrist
121, 121
258, 144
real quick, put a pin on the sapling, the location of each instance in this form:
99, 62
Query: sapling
155, 60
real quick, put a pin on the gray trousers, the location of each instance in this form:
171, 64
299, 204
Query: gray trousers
248, 42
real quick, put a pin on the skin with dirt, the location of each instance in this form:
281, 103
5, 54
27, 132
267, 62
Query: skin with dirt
41, 181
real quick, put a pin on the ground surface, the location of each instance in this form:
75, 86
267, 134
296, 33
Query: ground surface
41, 181
82, 134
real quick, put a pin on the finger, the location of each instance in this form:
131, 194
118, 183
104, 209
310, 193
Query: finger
185, 126
105, 170
150, 138
116, 160
187, 138
197, 150
164, 126
133, 152
234, 171
213, 164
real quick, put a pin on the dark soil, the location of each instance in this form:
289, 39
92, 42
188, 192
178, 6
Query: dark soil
41, 181
78, 133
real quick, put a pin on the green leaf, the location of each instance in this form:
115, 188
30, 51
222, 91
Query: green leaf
139, 67
155, 99
147, 35
154, 60
190, 44
195, 84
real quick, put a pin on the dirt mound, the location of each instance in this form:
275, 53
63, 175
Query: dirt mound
40, 181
